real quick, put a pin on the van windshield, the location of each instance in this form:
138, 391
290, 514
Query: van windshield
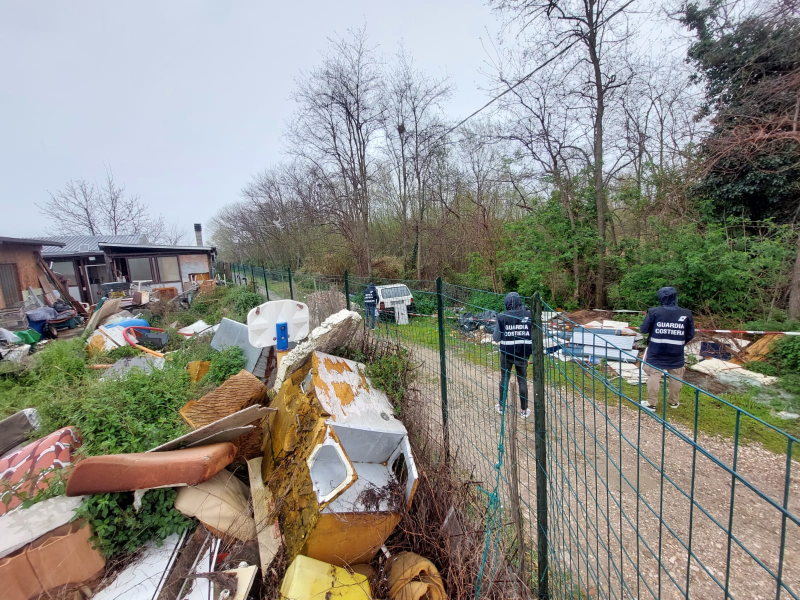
395, 291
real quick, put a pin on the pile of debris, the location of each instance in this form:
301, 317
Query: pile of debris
329, 472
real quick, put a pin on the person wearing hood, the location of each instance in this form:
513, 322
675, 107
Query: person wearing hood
670, 328
515, 335
371, 305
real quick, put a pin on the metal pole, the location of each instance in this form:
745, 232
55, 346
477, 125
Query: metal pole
541, 449
253, 276
291, 287
347, 289
443, 369
266, 286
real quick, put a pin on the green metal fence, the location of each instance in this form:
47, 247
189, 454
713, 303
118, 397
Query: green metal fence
592, 496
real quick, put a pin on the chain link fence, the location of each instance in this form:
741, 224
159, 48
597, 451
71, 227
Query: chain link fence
592, 495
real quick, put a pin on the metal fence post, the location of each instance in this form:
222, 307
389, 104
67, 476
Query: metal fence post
347, 289
443, 369
291, 287
541, 449
253, 276
266, 285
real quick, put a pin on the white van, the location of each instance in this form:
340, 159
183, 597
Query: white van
393, 296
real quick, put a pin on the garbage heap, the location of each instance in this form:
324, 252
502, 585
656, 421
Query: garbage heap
329, 467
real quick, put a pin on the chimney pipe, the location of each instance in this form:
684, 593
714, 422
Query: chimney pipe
198, 233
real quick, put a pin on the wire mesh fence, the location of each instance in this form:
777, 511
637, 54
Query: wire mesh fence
591, 495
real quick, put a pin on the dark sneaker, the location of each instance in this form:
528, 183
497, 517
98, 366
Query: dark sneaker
647, 405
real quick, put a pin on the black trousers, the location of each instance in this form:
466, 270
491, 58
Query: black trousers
507, 363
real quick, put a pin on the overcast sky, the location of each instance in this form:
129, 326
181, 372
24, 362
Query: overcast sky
185, 100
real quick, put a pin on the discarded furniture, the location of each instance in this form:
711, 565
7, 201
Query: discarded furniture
63, 558
131, 472
221, 504
340, 461
226, 429
14, 430
165, 294
310, 578
32, 468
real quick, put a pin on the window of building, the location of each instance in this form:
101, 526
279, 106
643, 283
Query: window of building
67, 269
139, 269
168, 268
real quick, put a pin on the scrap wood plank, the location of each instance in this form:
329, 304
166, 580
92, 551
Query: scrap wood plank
60, 287
236, 425
269, 532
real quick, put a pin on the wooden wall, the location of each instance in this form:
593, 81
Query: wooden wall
23, 255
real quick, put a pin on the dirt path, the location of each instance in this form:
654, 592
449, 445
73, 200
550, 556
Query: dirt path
601, 529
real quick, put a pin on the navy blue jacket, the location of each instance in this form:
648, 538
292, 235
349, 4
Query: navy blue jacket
371, 294
670, 328
514, 328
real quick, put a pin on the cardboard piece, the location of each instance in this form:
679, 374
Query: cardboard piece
109, 307
198, 369
63, 558
269, 532
221, 504
22, 527
224, 427
131, 472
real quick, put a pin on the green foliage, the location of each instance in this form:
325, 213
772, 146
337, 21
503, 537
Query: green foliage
242, 300
743, 65
786, 354
121, 352
118, 527
225, 363
778, 322
393, 373
424, 303
762, 367
133, 414
544, 249
716, 270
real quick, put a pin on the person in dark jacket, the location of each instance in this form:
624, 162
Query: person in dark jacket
515, 335
371, 305
670, 328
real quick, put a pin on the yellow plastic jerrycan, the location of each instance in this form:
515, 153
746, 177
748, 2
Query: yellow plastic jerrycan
310, 579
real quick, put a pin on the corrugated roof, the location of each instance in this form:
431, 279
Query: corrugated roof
30, 241
88, 244
118, 245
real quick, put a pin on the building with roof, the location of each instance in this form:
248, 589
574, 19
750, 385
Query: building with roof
89, 261
21, 269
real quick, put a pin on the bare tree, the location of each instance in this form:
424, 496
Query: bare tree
414, 128
74, 208
84, 208
339, 114
589, 37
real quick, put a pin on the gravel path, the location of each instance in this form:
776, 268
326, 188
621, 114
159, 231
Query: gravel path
602, 530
